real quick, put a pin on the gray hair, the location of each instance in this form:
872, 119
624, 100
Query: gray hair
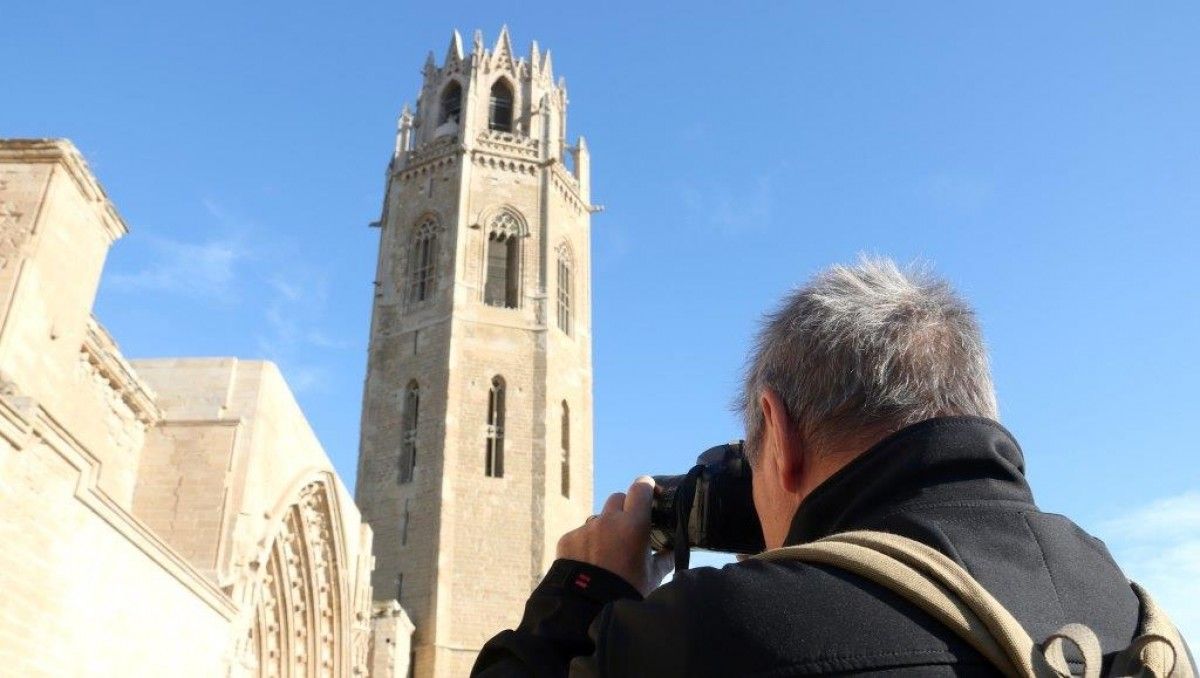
868, 349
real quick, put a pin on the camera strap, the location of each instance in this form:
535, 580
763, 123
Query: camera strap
683, 502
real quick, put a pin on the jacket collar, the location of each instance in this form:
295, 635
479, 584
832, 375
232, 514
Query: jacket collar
946, 459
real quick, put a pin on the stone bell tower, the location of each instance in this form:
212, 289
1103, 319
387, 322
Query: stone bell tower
476, 449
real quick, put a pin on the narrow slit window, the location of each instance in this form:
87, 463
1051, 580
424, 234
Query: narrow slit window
494, 457
408, 439
566, 450
404, 525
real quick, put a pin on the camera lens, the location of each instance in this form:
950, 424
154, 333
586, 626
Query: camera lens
663, 518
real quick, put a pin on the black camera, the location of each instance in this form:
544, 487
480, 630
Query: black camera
710, 507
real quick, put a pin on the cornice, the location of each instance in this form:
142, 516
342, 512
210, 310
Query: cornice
102, 352
62, 152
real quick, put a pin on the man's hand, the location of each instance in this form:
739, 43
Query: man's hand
618, 539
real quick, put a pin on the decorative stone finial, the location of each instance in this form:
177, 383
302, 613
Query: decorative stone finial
454, 53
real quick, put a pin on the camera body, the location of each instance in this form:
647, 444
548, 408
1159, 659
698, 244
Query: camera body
710, 507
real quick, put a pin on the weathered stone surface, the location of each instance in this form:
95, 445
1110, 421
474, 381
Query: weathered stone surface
159, 518
467, 547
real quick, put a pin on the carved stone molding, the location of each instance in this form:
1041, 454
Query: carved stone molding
503, 164
441, 146
509, 143
15, 230
303, 618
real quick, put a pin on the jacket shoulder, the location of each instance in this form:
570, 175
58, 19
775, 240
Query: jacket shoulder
757, 617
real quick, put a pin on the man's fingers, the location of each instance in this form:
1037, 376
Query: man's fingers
640, 496
614, 503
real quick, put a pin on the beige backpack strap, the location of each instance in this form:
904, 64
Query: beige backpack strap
1083, 638
1158, 650
939, 586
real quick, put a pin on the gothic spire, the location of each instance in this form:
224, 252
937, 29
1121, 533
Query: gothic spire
454, 53
502, 52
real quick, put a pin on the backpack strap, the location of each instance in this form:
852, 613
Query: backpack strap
942, 588
1158, 649
937, 585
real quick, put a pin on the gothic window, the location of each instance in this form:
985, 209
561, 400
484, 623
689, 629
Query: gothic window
451, 103
494, 461
565, 288
566, 450
422, 269
502, 284
500, 107
408, 441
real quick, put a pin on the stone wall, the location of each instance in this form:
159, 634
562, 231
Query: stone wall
88, 590
173, 517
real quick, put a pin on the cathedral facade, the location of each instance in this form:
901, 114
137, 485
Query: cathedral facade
168, 517
476, 447
178, 517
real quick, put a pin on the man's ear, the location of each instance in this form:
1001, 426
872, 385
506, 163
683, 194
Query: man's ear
790, 461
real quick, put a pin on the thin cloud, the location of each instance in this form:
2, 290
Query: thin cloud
227, 219
319, 339
287, 290
292, 333
204, 270
1158, 545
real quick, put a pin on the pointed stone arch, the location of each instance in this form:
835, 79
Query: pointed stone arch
505, 217
503, 256
302, 619
502, 99
451, 100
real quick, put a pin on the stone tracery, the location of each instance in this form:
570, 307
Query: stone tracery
302, 621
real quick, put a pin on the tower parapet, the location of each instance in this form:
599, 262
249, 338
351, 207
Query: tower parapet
488, 102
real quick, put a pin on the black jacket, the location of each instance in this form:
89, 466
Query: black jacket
955, 483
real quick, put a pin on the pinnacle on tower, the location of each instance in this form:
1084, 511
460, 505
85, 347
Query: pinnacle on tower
403, 132
477, 43
454, 53
547, 66
535, 56
502, 52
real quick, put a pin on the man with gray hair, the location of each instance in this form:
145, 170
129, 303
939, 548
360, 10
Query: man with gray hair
868, 405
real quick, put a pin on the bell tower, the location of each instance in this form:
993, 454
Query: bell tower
476, 447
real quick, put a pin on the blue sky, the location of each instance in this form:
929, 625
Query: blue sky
1043, 156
